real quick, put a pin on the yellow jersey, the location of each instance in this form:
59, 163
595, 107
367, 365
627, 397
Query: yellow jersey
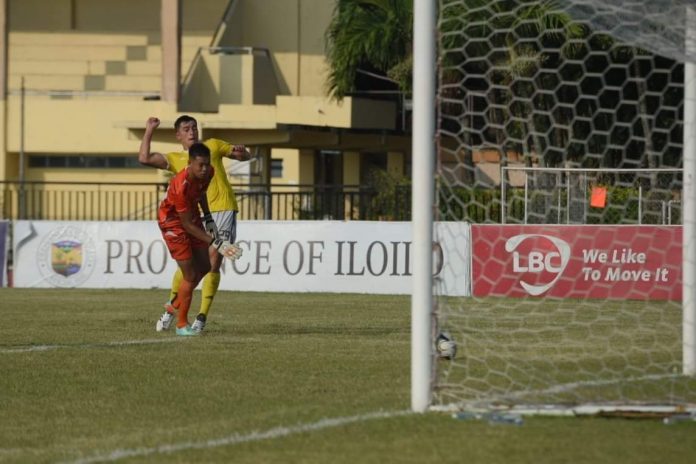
221, 197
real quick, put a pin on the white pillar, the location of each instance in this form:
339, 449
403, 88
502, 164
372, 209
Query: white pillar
423, 152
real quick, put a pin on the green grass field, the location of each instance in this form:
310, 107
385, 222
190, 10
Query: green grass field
277, 378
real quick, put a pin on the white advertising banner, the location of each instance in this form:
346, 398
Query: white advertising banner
279, 256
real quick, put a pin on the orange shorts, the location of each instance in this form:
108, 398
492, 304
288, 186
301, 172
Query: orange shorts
180, 243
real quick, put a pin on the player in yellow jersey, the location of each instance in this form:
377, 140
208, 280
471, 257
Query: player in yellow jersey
222, 223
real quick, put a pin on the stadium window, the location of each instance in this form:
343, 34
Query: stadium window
74, 161
328, 167
129, 161
83, 161
119, 162
55, 162
93, 162
276, 167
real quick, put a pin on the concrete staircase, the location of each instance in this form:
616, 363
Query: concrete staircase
92, 62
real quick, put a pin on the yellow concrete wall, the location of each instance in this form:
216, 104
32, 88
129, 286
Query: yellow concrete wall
395, 163
54, 15
114, 127
272, 24
351, 168
315, 16
350, 112
291, 166
293, 30
83, 126
122, 15
99, 45
109, 15
128, 58
200, 89
219, 79
351, 176
306, 167
144, 174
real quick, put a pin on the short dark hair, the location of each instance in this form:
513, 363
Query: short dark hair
182, 119
199, 149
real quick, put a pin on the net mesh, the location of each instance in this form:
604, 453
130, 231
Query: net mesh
564, 121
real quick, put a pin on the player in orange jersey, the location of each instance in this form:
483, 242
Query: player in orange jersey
222, 223
183, 232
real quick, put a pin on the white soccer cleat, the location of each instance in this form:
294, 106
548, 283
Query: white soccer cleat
164, 321
227, 249
199, 324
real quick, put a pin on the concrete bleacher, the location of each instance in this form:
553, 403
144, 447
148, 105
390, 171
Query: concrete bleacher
87, 62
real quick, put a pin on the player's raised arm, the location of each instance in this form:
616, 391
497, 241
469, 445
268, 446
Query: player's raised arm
240, 153
145, 156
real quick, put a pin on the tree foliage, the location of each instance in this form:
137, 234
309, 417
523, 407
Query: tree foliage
369, 37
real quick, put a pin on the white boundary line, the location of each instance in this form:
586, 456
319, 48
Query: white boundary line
235, 439
40, 348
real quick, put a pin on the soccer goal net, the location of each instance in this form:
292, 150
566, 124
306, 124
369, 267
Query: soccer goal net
563, 132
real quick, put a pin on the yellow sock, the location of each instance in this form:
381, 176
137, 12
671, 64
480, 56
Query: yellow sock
211, 282
176, 281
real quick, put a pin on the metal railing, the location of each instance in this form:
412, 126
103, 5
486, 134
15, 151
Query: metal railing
550, 195
68, 201
118, 201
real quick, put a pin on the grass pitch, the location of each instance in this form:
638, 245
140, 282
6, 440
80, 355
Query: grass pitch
276, 378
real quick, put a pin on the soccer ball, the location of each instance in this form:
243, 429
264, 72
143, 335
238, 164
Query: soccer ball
446, 346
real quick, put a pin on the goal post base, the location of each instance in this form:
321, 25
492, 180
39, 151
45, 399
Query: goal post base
667, 413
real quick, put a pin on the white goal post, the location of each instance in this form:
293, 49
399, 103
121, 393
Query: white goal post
423, 149
570, 86
689, 208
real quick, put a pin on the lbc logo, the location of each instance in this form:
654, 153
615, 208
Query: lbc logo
537, 262
553, 262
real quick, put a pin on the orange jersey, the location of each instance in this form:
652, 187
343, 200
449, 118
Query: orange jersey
221, 197
182, 195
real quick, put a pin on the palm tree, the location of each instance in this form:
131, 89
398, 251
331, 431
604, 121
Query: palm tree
368, 46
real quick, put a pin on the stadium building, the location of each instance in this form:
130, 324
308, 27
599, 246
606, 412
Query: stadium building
80, 78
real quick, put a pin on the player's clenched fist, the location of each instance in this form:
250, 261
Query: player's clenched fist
152, 123
227, 249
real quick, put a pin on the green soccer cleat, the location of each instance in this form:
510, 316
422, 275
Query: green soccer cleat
186, 331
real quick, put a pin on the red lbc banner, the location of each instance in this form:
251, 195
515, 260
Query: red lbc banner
635, 262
